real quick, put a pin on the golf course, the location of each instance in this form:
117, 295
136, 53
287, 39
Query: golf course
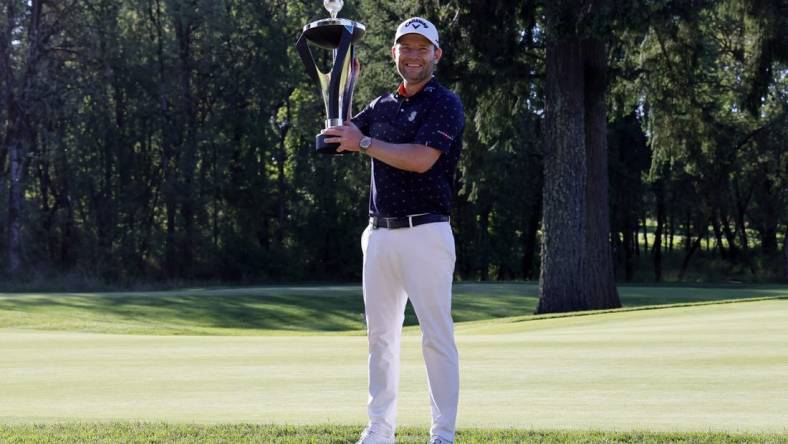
288, 364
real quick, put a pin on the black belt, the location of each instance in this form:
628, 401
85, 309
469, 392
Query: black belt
407, 221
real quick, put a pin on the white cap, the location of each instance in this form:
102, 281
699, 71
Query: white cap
418, 25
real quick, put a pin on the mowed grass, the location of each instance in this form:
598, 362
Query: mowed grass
297, 309
147, 433
710, 366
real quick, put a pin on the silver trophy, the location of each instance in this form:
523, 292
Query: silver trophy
339, 36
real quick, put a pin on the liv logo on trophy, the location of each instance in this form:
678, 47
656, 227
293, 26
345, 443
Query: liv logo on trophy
339, 36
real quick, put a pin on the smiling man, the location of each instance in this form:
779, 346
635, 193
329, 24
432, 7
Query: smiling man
414, 137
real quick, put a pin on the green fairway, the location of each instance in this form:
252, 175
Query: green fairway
719, 367
296, 309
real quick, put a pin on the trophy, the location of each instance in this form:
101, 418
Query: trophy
339, 36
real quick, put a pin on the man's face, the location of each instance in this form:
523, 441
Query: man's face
415, 57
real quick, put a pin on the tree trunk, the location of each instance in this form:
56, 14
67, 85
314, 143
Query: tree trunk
48, 199
629, 257
577, 262
715, 223
561, 281
168, 164
601, 289
170, 255
483, 243
183, 31
18, 128
785, 255
281, 184
68, 234
767, 198
730, 237
693, 247
105, 206
645, 235
15, 197
10, 145
741, 228
657, 248
530, 240
672, 228
768, 232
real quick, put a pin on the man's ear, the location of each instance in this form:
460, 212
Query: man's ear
394, 53
438, 54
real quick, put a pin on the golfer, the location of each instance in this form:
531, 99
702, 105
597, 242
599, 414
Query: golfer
414, 137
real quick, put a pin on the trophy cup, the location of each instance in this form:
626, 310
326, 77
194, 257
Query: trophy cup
338, 35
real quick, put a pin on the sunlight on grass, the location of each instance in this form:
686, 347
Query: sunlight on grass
685, 368
296, 309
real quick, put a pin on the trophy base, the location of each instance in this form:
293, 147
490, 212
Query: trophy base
327, 148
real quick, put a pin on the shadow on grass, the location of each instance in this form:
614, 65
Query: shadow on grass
318, 308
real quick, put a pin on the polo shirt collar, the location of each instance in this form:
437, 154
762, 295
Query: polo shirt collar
428, 88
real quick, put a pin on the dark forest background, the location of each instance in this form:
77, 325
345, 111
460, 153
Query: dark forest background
155, 140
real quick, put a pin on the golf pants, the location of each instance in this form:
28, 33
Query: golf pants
414, 263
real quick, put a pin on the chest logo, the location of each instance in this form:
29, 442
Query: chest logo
412, 116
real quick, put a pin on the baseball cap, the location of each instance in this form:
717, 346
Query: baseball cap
418, 25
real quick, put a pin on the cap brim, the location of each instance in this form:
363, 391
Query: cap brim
434, 43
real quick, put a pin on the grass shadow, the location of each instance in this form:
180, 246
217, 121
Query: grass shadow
300, 308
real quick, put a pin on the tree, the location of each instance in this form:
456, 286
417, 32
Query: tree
703, 75
577, 269
26, 59
158, 139
499, 76
17, 129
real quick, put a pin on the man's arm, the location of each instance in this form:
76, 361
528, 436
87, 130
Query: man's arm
406, 156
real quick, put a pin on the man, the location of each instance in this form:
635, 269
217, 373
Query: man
413, 136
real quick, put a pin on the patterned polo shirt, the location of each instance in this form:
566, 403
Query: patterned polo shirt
433, 117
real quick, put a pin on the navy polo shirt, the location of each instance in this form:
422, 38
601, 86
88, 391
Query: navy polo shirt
432, 117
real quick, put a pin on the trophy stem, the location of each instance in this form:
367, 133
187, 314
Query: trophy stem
338, 36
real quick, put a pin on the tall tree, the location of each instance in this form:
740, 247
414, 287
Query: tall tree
172, 138
577, 269
25, 53
17, 127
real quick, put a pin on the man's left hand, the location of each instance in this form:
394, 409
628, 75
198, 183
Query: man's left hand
347, 136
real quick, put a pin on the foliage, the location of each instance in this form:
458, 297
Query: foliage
172, 139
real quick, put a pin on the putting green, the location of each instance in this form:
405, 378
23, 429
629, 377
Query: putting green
711, 367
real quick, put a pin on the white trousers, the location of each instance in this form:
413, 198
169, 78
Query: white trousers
418, 264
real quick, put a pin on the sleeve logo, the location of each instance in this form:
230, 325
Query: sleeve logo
444, 134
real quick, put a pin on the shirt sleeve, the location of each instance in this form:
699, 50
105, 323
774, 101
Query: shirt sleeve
362, 119
443, 124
